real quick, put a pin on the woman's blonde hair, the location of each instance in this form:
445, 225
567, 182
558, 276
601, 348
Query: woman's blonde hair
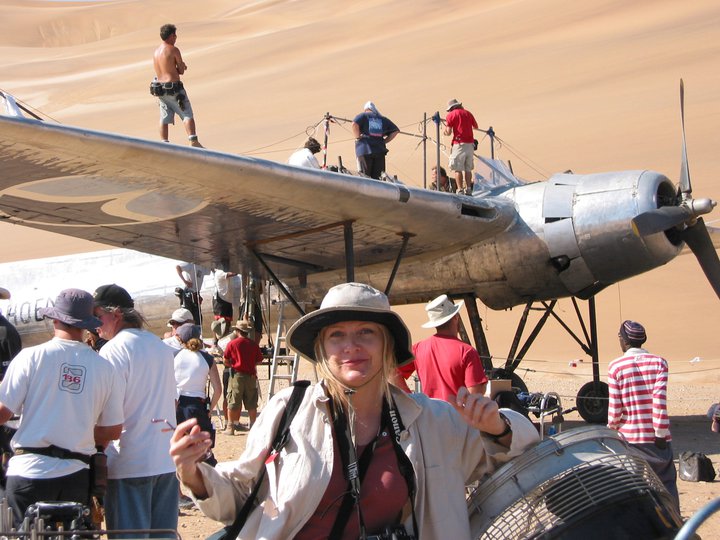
335, 388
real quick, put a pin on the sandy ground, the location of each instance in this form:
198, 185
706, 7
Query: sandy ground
687, 402
589, 86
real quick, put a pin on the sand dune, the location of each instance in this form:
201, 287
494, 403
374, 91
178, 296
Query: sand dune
591, 86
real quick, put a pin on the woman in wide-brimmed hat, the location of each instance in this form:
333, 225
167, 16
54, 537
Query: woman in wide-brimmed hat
410, 457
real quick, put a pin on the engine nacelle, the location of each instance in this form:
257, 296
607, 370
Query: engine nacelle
574, 237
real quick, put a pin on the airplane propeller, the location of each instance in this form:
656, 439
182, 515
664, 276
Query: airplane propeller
684, 216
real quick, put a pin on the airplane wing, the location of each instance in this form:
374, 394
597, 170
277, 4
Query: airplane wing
218, 209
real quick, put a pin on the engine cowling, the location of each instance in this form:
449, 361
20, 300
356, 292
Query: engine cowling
575, 237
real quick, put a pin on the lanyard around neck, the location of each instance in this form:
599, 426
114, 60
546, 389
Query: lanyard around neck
355, 469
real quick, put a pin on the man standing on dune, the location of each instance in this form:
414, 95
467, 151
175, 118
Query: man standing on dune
168, 88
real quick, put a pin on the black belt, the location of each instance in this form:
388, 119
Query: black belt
186, 399
166, 88
54, 451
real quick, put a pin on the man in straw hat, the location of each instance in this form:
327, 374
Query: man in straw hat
443, 362
637, 383
69, 402
459, 123
242, 355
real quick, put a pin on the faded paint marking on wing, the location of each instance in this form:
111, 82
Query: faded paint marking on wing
212, 207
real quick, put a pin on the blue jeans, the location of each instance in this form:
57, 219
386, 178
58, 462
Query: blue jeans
148, 502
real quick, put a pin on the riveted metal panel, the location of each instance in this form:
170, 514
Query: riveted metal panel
558, 201
577, 277
560, 238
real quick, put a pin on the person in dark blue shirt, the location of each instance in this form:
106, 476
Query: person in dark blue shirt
372, 133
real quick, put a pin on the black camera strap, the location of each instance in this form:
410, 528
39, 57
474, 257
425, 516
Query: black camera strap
354, 472
391, 416
356, 469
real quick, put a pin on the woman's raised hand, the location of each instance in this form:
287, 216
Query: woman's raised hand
479, 412
188, 446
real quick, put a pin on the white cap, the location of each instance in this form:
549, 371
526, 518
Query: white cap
181, 315
369, 105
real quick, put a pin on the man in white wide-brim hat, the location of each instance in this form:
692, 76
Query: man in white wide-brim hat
443, 362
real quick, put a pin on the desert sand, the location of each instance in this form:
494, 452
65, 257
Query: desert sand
590, 86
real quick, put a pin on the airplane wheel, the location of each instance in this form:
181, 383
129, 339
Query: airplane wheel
517, 383
592, 402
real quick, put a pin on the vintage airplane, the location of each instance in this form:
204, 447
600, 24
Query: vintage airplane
513, 243
151, 280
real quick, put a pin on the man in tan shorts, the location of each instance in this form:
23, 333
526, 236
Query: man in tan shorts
242, 354
168, 88
460, 123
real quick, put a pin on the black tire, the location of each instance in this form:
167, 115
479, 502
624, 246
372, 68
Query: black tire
592, 402
518, 384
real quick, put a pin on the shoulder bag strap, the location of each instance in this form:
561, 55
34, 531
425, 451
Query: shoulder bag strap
281, 438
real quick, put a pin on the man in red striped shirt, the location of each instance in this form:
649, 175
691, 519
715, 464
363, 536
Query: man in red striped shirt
638, 391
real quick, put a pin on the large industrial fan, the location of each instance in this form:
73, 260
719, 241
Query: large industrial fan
582, 484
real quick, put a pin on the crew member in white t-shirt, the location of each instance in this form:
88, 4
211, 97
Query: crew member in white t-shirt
179, 317
305, 157
142, 488
193, 369
69, 402
192, 277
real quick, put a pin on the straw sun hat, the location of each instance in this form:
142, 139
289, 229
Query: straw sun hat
441, 310
350, 302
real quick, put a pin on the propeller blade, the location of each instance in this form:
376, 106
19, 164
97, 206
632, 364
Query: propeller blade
662, 219
698, 240
685, 186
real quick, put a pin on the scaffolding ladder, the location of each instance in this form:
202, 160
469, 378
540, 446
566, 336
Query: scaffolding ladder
291, 361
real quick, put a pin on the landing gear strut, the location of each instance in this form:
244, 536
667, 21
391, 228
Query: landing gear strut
592, 402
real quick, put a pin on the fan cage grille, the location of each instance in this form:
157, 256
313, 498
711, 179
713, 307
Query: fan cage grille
572, 493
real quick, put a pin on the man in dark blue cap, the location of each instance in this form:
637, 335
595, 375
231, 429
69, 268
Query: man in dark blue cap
637, 383
69, 403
